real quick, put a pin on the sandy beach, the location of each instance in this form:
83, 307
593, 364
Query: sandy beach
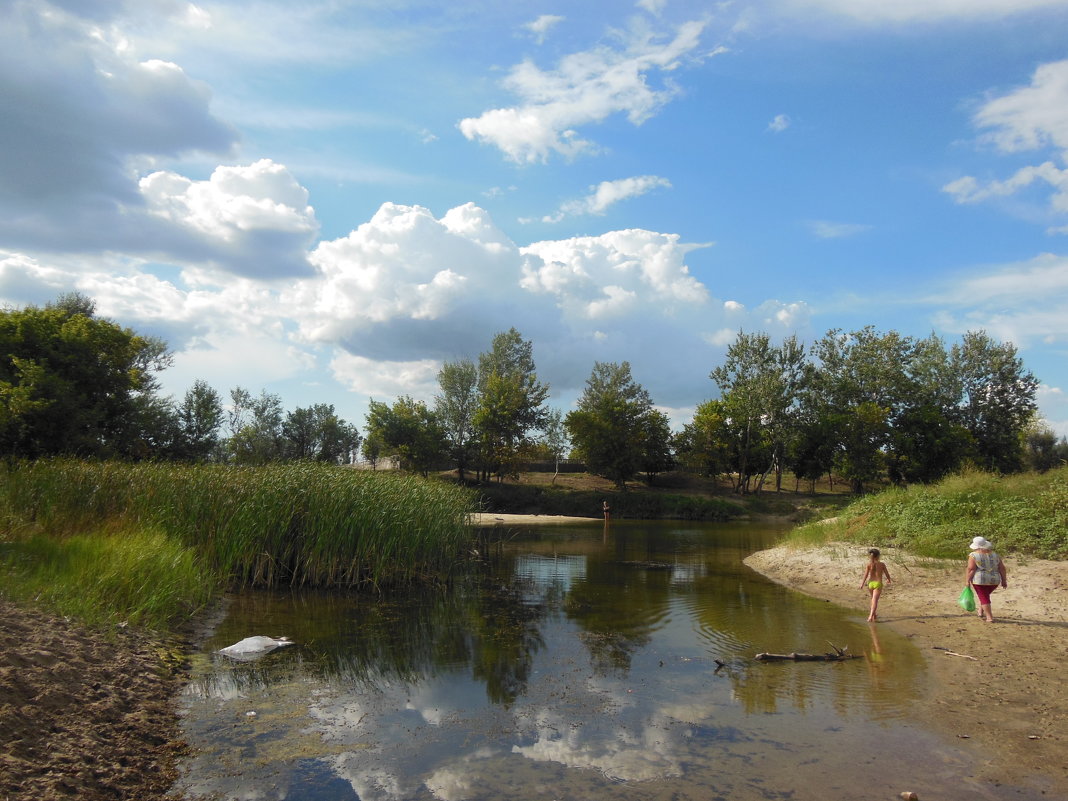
996, 686
502, 519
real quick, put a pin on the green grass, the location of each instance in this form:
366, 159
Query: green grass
150, 542
1025, 514
143, 578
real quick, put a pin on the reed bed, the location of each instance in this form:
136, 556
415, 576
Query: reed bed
286, 524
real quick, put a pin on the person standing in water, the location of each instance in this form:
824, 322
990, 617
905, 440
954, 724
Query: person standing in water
607, 510
876, 576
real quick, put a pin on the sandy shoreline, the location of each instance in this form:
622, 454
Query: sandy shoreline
1008, 705
502, 519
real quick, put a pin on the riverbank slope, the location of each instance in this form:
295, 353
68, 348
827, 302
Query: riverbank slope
997, 687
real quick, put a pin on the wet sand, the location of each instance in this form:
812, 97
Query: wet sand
998, 686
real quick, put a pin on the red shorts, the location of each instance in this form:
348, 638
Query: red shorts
982, 592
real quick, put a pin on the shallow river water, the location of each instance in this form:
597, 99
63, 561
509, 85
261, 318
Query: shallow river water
580, 664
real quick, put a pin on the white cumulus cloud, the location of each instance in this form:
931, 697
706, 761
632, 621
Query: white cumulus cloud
607, 194
583, 89
254, 219
1029, 118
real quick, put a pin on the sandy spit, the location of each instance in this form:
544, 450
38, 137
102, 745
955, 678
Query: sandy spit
1009, 701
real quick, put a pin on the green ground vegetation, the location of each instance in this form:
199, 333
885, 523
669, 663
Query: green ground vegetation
152, 543
1025, 514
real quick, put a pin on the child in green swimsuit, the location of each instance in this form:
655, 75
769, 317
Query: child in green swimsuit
875, 577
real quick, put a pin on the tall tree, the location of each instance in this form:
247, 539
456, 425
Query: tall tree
554, 439
859, 385
256, 427
997, 401
511, 401
704, 442
455, 407
760, 384
657, 456
317, 433
200, 416
608, 427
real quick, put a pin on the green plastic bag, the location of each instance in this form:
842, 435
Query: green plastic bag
967, 599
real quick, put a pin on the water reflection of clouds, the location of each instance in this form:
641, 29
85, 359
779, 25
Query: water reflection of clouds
638, 751
393, 699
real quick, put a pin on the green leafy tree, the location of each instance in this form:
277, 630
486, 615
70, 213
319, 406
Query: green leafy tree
704, 442
511, 402
608, 428
554, 439
812, 449
657, 456
925, 445
200, 416
410, 431
997, 400
255, 426
455, 407
859, 386
372, 448
760, 384
73, 383
317, 433
1042, 450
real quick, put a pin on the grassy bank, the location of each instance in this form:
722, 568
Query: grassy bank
151, 543
1025, 514
540, 499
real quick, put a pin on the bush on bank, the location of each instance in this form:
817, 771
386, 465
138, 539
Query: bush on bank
1024, 513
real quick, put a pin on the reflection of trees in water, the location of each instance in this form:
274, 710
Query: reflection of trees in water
365, 641
618, 608
508, 637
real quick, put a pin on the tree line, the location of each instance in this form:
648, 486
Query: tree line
861, 405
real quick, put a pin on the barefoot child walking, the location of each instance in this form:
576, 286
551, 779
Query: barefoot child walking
875, 577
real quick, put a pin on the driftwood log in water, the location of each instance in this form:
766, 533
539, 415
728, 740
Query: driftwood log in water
839, 655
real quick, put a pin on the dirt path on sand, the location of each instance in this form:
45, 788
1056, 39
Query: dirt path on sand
1010, 702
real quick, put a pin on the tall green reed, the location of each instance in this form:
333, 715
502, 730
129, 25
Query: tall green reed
303, 523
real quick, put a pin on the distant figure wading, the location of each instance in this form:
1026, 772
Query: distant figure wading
607, 510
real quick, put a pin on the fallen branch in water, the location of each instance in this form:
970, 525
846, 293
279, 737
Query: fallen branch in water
838, 655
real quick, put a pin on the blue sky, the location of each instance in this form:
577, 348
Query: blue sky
328, 199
